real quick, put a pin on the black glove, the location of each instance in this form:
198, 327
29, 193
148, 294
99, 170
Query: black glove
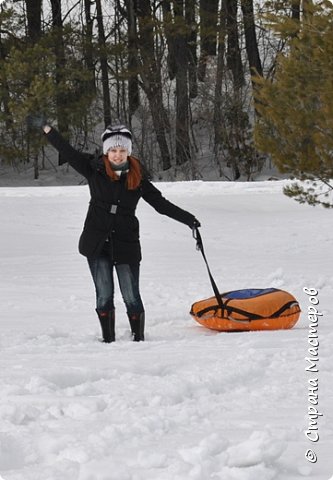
35, 120
195, 224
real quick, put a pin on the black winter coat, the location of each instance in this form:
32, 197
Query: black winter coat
119, 231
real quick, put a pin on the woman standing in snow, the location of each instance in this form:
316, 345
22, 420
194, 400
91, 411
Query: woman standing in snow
110, 238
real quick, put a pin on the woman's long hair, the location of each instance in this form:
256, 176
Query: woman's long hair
134, 175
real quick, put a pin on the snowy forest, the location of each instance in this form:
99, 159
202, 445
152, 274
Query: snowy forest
213, 90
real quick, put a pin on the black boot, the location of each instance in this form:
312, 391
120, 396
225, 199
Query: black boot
137, 322
107, 319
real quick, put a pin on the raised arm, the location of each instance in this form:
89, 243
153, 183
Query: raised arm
78, 160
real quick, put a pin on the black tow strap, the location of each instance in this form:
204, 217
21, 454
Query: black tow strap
197, 237
224, 306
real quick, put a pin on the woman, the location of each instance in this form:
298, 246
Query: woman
110, 237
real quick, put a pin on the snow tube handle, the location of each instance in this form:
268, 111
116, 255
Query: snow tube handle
199, 246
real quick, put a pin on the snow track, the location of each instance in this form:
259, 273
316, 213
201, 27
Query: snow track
189, 403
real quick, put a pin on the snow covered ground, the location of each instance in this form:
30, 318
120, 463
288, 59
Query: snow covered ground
189, 403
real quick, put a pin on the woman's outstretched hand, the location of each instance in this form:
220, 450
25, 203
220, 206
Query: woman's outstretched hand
195, 224
36, 121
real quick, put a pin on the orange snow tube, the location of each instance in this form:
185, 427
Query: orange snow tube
250, 309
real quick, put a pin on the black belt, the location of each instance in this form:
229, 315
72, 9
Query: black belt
113, 209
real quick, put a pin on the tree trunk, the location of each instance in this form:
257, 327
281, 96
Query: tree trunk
36, 167
296, 9
182, 112
251, 38
59, 48
104, 65
34, 13
160, 121
218, 123
5, 91
208, 33
234, 60
168, 25
133, 83
119, 67
182, 91
151, 78
117, 70
88, 45
191, 46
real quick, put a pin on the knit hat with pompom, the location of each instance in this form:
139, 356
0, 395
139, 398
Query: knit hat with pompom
117, 136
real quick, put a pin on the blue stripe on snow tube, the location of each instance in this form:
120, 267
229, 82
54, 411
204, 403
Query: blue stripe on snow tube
248, 293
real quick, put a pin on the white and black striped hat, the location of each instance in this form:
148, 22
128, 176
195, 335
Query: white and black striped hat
117, 136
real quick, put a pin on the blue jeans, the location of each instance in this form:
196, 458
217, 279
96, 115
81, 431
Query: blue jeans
101, 269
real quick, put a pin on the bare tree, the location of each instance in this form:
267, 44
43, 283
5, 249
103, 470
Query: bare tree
104, 65
133, 82
296, 9
234, 59
168, 26
5, 89
88, 44
192, 41
251, 43
182, 88
208, 33
151, 77
34, 12
60, 62
220, 70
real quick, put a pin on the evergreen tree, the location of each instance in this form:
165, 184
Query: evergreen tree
32, 80
295, 125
